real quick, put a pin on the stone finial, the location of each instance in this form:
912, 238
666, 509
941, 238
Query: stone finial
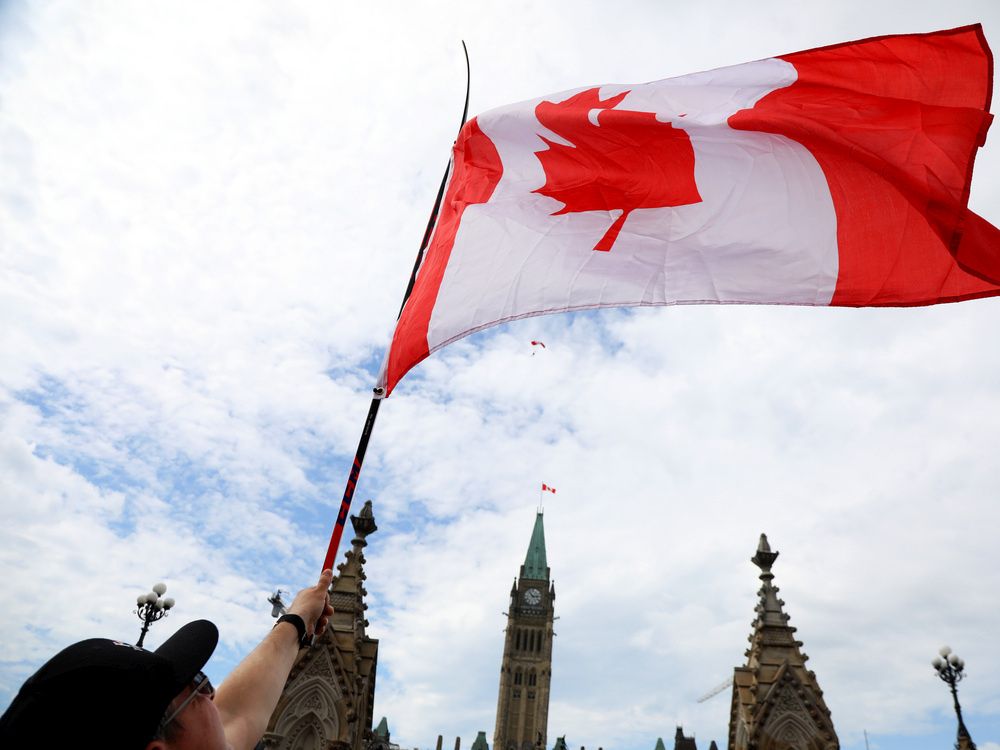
769, 612
764, 558
364, 524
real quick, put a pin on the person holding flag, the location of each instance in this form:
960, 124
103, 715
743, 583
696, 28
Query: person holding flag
133, 699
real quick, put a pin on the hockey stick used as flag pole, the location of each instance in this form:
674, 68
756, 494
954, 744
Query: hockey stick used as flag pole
366, 432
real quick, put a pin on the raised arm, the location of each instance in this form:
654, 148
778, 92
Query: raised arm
249, 694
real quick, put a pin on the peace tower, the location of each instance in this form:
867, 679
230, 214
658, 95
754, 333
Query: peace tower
526, 668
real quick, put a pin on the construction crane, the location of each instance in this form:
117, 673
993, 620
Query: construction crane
716, 690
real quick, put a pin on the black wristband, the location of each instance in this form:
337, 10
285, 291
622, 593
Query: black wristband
300, 625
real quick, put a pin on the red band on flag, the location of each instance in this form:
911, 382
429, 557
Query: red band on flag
476, 173
897, 145
546, 488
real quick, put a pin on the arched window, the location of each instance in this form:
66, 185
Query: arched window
538, 643
518, 677
517, 639
532, 678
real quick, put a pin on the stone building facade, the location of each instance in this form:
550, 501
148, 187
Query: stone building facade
776, 704
683, 742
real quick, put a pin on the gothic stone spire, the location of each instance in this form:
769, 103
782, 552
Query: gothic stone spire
535, 565
328, 699
777, 702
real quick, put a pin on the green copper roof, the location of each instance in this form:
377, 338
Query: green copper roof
560, 743
382, 730
535, 565
480, 742
659, 744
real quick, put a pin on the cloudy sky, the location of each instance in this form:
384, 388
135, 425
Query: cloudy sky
208, 214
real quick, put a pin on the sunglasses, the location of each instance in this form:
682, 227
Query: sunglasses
200, 685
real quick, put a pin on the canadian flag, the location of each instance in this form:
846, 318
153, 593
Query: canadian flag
546, 488
836, 176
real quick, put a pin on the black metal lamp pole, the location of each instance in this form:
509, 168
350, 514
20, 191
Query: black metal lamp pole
951, 669
152, 607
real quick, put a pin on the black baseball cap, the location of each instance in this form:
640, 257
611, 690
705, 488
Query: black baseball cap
113, 692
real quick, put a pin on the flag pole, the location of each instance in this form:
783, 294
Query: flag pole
366, 432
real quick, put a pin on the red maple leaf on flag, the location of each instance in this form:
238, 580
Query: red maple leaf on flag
628, 160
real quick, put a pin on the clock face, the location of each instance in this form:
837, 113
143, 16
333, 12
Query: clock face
532, 597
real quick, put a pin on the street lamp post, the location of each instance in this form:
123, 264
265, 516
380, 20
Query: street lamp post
278, 606
951, 669
152, 607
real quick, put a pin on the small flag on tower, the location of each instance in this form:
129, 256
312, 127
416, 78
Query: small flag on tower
546, 488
